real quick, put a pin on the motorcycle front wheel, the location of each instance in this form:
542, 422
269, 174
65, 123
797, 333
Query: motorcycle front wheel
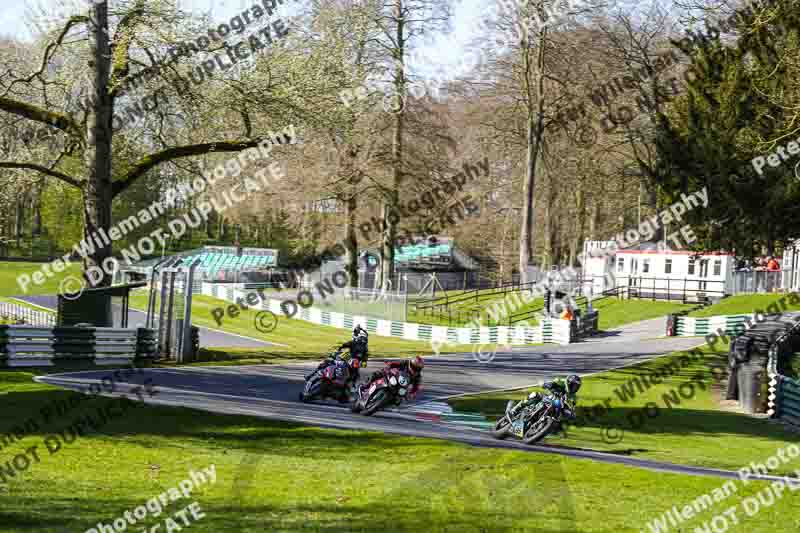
312, 391
375, 402
501, 428
538, 430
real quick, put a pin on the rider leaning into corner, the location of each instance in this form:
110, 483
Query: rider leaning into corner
359, 345
571, 387
347, 372
413, 367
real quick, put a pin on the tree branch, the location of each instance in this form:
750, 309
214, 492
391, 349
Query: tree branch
48, 52
38, 114
153, 160
44, 170
121, 47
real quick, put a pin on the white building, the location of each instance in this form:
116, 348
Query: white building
790, 266
648, 269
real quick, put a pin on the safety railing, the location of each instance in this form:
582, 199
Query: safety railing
10, 312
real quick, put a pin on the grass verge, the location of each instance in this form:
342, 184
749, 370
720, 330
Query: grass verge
615, 312
688, 426
303, 340
11, 270
272, 476
747, 304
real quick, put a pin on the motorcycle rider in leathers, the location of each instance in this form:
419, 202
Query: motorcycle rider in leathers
348, 372
413, 367
570, 386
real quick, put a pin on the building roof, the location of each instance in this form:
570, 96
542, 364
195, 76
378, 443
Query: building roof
664, 248
431, 253
671, 252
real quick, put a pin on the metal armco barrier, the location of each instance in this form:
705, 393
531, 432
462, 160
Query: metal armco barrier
754, 359
33, 317
46, 346
788, 400
784, 391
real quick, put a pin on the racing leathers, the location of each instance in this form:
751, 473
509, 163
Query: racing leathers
555, 386
404, 366
345, 373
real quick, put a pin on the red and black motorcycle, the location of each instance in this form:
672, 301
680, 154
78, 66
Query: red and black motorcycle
334, 378
390, 389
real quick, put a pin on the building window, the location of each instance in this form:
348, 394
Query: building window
718, 267
691, 267
326, 205
668, 266
620, 264
645, 266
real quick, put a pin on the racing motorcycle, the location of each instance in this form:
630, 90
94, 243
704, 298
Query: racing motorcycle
535, 422
330, 378
382, 392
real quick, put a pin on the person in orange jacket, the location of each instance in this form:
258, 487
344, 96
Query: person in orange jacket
772, 264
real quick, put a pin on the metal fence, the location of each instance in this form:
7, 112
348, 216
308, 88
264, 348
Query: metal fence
17, 313
670, 289
752, 281
388, 305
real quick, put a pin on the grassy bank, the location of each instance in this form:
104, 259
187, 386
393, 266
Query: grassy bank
615, 312
746, 304
295, 339
687, 429
280, 477
10, 270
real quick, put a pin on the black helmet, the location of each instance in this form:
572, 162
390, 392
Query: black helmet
573, 383
356, 331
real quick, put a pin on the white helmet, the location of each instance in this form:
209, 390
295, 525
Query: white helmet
533, 395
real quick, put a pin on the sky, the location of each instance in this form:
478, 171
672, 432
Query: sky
18, 17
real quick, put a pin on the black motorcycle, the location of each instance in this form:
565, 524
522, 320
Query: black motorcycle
325, 381
535, 422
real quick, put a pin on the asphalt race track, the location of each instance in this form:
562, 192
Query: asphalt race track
271, 391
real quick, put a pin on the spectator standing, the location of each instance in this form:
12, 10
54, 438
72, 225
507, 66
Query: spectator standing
772, 264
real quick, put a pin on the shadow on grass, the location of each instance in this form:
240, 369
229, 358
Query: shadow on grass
53, 411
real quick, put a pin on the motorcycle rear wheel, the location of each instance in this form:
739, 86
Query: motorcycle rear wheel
356, 405
538, 430
375, 402
501, 428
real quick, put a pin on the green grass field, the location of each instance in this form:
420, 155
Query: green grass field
303, 340
746, 304
615, 312
272, 476
465, 312
692, 431
10, 270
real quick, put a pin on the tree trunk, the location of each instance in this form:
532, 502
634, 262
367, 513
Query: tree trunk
594, 218
547, 245
36, 230
97, 157
19, 220
350, 239
580, 219
390, 205
209, 225
534, 138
